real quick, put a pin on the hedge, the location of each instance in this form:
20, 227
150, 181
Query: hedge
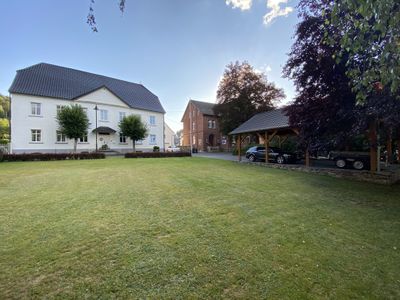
51, 156
157, 154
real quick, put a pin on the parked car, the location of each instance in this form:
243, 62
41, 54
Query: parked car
350, 159
275, 155
173, 149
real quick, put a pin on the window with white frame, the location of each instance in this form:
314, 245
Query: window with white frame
153, 139
122, 115
122, 139
59, 108
209, 123
36, 109
152, 120
193, 126
61, 138
36, 135
84, 138
194, 139
213, 124
103, 115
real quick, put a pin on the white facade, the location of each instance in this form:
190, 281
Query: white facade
34, 126
169, 137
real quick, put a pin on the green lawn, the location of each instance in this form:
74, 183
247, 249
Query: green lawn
193, 228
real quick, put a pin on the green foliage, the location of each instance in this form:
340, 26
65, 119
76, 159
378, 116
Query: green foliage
156, 149
4, 119
132, 127
370, 43
73, 122
242, 93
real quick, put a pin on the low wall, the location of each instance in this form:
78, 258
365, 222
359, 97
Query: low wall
387, 177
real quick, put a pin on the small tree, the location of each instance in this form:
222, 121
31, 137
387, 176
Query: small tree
73, 122
132, 127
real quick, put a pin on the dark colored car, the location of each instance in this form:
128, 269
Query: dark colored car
275, 155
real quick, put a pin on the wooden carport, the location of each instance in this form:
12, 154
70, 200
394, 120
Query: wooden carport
267, 125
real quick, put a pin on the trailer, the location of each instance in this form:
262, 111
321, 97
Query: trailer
350, 159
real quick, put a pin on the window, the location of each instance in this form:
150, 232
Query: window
139, 142
122, 139
152, 139
103, 115
61, 138
193, 126
36, 135
122, 115
211, 124
36, 109
59, 108
84, 138
152, 120
194, 140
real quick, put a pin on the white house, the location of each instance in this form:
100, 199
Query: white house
39, 91
169, 136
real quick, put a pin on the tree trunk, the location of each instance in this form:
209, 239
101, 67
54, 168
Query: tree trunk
373, 140
75, 145
389, 149
133, 146
398, 147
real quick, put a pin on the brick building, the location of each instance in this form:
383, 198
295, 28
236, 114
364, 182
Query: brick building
201, 128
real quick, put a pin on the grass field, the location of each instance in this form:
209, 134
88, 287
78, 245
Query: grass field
193, 228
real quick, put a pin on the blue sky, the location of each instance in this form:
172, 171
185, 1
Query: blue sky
176, 48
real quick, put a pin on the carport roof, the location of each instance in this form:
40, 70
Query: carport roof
274, 119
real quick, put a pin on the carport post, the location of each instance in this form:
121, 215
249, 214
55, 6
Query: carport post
307, 157
239, 145
266, 143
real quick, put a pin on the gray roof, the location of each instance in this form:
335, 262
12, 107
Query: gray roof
206, 108
53, 81
273, 119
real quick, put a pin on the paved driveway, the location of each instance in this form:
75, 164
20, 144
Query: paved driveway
218, 155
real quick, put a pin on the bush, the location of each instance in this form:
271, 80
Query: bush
157, 154
156, 149
51, 156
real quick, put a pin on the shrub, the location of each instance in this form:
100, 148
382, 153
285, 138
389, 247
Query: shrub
156, 149
157, 154
51, 156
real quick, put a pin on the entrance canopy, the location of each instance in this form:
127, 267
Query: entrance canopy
104, 130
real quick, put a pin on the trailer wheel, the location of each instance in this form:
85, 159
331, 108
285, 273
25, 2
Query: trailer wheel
340, 163
358, 165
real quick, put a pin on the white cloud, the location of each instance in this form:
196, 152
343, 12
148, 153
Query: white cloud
276, 10
241, 4
263, 70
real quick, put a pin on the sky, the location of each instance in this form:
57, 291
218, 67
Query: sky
178, 49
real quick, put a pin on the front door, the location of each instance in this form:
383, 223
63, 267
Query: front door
105, 141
